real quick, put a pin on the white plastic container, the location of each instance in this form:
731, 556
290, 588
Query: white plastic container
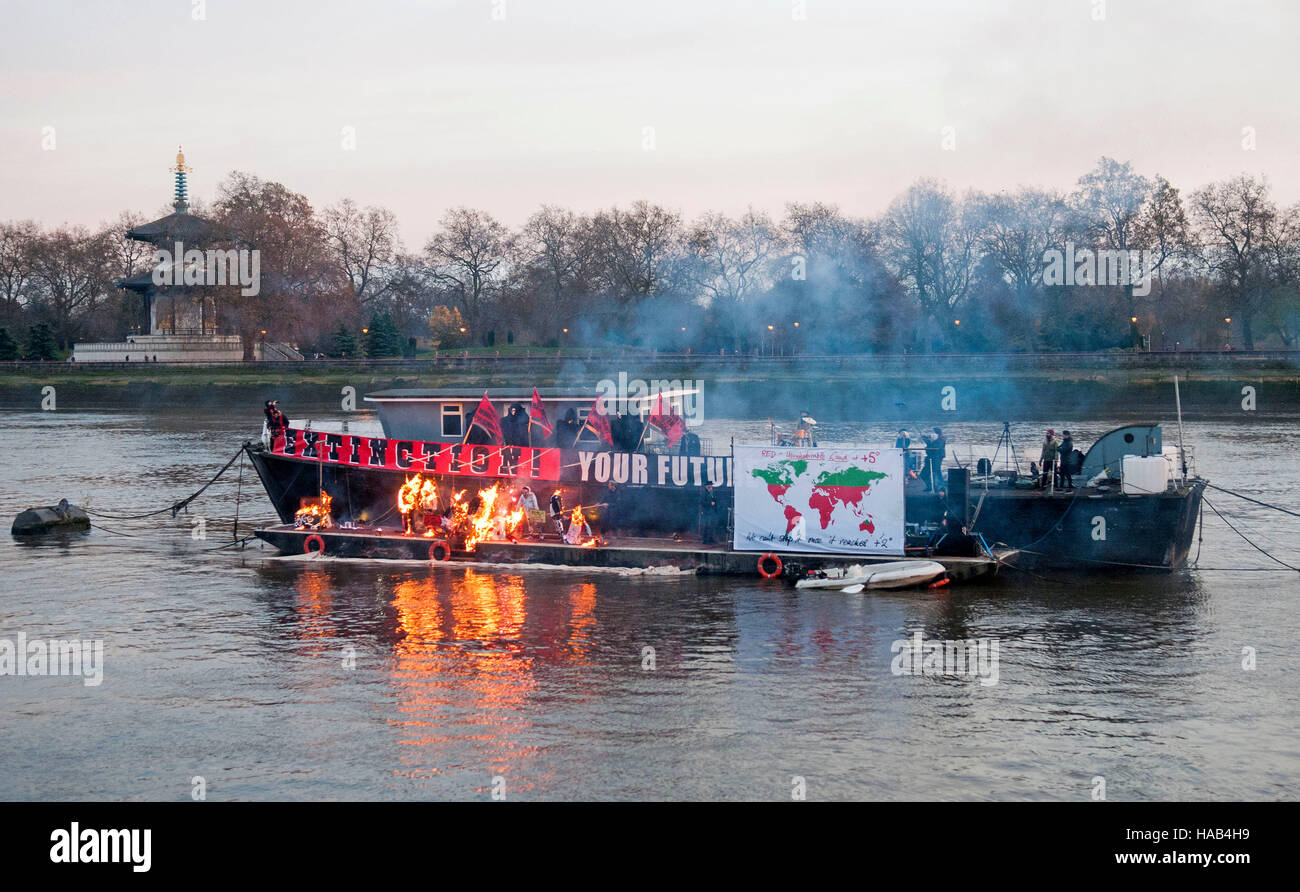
1143, 476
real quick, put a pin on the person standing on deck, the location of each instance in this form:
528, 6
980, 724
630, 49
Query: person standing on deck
557, 512
276, 422
709, 506
936, 447
904, 442
611, 514
1047, 459
1065, 478
528, 504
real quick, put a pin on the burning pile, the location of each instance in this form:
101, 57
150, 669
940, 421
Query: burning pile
490, 520
580, 531
417, 500
314, 514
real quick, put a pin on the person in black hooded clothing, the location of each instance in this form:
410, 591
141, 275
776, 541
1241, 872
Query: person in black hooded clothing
514, 426
566, 430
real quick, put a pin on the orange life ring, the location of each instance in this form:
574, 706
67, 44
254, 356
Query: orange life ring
306, 544
762, 566
439, 550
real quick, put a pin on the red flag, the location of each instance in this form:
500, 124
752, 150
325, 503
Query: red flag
537, 415
486, 417
598, 421
672, 425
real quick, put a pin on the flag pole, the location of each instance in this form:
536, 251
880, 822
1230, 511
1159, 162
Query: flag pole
644, 424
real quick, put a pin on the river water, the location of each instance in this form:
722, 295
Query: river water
232, 665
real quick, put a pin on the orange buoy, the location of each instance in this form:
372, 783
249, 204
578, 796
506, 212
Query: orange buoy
765, 562
306, 544
439, 550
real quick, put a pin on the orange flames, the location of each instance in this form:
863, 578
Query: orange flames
415, 492
314, 515
491, 520
578, 521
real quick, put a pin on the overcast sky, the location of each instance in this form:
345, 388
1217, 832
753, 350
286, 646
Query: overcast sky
453, 103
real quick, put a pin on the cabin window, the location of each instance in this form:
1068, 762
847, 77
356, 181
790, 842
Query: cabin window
452, 421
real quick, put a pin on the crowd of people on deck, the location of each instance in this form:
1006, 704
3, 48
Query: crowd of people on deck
628, 432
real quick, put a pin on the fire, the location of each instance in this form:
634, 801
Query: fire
316, 514
415, 492
577, 526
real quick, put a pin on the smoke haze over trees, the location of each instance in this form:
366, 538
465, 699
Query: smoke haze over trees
934, 272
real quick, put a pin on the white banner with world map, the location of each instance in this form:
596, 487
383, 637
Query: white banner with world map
841, 501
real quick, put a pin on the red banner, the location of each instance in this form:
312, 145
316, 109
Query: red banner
417, 456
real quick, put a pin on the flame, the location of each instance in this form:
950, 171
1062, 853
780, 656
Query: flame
315, 512
578, 519
416, 492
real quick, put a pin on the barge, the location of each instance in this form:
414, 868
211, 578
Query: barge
643, 494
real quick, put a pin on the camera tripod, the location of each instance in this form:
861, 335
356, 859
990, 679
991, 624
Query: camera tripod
1004, 439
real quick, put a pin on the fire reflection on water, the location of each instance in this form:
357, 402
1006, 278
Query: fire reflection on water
315, 605
464, 656
460, 673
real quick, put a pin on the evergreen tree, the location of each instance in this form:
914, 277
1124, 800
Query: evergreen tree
40, 342
345, 345
8, 347
383, 339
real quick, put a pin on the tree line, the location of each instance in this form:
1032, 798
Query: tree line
936, 271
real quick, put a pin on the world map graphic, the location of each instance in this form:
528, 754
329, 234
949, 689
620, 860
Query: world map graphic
846, 489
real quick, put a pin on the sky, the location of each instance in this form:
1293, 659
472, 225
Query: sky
696, 104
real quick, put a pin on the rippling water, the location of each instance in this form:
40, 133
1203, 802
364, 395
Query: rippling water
228, 664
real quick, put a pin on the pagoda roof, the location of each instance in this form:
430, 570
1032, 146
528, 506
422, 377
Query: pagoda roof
179, 226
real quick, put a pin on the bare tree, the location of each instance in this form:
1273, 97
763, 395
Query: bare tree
364, 243
1235, 225
73, 269
18, 242
931, 244
556, 248
466, 257
637, 249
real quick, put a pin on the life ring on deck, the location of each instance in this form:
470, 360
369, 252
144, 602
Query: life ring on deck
306, 545
439, 550
763, 562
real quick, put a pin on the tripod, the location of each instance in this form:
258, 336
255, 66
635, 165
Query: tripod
1004, 439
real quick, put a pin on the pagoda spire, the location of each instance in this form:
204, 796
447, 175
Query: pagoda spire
182, 198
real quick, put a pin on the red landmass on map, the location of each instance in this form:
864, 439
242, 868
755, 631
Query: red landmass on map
825, 498
791, 518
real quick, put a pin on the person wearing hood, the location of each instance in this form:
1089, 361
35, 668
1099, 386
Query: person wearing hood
276, 422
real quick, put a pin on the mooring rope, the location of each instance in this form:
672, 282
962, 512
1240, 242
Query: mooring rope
1248, 540
176, 507
1256, 501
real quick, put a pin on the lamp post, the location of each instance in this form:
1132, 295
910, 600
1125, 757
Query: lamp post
1134, 335
1227, 320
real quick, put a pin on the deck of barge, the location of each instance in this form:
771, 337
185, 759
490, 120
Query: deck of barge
639, 552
